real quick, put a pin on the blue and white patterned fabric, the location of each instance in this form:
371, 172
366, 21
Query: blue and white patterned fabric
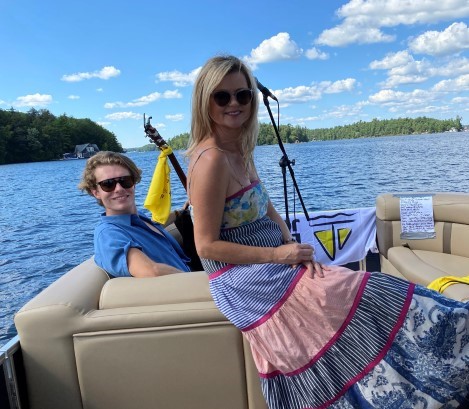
347, 340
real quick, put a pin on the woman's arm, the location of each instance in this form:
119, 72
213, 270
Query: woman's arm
313, 267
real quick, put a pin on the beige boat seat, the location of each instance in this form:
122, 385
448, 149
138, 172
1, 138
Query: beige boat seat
89, 342
424, 260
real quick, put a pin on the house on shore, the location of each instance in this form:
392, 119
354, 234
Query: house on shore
86, 150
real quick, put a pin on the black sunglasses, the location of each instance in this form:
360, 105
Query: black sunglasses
223, 98
108, 185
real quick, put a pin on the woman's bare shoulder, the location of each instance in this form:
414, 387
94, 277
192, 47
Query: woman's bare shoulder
208, 156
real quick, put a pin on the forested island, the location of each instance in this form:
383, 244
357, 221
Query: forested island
38, 135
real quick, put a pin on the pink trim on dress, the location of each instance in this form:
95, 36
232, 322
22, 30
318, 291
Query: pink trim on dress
218, 273
373, 363
279, 304
290, 338
324, 349
243, 190
381, 355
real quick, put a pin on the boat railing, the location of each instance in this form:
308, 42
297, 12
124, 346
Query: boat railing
11, 375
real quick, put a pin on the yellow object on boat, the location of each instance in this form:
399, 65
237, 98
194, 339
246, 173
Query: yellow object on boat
158, 200
442, 283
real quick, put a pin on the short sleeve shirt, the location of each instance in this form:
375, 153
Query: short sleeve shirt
115, 235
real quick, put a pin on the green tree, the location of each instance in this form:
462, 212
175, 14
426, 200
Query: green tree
38, 135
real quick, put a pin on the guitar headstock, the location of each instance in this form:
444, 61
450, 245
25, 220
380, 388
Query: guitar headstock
153, 133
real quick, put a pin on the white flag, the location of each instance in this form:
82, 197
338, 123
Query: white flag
339, 236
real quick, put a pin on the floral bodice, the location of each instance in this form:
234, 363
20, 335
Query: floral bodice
245, 206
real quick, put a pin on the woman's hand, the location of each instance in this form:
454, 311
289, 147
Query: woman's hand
298, 253
293, 253
314, 268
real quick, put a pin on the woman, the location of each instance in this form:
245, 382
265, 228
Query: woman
127, 243
320, 336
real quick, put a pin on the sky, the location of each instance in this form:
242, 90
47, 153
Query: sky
328, 62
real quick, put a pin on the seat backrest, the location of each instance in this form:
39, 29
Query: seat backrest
451, 216
90, 343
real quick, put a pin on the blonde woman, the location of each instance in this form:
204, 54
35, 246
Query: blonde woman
321, 336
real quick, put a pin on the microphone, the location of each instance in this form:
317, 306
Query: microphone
265, 91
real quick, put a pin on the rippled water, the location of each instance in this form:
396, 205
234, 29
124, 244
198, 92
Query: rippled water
46, 223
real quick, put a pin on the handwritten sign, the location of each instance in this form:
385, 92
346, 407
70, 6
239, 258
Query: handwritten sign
417, 217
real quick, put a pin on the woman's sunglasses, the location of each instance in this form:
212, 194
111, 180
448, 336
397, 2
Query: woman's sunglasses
223, 98
108, 185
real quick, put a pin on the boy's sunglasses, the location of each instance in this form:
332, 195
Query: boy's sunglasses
223, 98
108, 185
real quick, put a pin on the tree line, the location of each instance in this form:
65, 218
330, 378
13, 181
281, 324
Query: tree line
38, 136
387, 127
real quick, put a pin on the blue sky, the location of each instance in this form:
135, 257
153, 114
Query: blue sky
328, 62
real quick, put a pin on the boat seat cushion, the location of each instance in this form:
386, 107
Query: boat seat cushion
171, 289
422, 267
422, 261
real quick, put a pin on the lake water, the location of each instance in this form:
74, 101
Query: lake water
46, 223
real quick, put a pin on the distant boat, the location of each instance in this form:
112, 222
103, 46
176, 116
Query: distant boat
69, 156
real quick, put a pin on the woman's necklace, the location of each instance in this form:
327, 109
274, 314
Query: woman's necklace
235, 175
233, 168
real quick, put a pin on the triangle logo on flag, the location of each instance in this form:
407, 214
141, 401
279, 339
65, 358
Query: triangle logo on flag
327, 242
343, 236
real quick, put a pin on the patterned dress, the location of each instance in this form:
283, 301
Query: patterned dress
348, 340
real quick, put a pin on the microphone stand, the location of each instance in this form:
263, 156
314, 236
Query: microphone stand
285, 163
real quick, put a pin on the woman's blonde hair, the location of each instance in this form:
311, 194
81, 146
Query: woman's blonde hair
88, 180
210, 76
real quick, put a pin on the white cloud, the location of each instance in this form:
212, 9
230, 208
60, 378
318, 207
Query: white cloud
422, 101
429, 109
73, 97
145, 100
175, 117
452, 40
105, 73
316, 54
344, 111
338, 86
315, 91
410, 72
298, 94
395, 80
118, 116
455, 67
338, 112
178, 78
458, 84
352, 33
277, 48
404, 69
460, 100
387, 96
363, 19
392, 60
39, 100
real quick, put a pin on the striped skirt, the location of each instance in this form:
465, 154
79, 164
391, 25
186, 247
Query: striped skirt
348, 340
